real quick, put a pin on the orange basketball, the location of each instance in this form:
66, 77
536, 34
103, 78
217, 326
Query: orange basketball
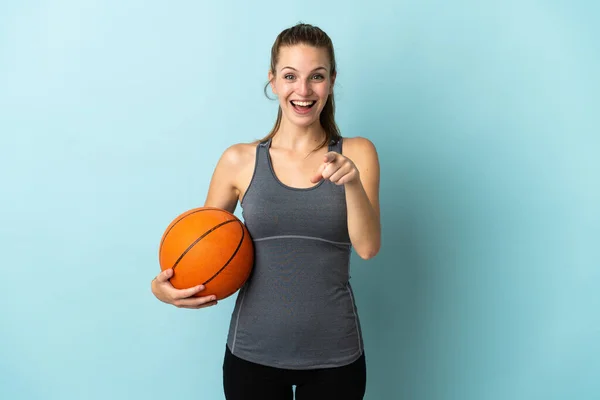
208, 246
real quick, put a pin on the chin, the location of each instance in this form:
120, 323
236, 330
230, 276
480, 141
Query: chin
304, 123
300, 121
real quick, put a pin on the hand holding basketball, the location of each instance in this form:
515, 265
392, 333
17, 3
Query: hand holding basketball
205, 253
337, 168
181, 298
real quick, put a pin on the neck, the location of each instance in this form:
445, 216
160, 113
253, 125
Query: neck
296, 138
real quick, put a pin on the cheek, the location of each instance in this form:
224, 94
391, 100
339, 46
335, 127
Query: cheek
324, 90
283, 90
283, 97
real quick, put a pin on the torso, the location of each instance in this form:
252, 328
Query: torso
297, 309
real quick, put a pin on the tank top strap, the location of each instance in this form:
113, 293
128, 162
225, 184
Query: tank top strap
336, 145
262, 156
261, 163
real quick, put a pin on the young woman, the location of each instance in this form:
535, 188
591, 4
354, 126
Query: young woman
308, 197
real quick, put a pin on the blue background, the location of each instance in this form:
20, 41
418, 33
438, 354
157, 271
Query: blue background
113, 115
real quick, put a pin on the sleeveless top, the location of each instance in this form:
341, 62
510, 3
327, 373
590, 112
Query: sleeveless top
297, 308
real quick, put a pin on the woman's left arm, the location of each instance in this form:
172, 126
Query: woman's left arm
358, 170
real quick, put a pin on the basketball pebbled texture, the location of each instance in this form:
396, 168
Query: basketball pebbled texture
208, 246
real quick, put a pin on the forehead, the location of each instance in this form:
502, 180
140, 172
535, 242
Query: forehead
303, 57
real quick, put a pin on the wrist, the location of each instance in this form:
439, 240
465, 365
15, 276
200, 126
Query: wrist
353, 184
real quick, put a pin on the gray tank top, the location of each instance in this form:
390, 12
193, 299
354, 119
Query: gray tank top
297, 309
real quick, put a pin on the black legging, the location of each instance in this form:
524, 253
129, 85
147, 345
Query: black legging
244, 380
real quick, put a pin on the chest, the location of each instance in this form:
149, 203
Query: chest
295, 170
272, 209
281, 199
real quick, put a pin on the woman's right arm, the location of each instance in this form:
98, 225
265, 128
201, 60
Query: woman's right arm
223, 190
222, 193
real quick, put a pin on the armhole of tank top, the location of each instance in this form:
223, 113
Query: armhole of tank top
253, 173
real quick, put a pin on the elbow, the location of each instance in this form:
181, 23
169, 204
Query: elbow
369, 252
367, 256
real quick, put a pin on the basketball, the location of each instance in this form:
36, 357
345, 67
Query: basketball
207, 246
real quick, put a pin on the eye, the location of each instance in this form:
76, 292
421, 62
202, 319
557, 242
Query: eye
288, 77
318, 77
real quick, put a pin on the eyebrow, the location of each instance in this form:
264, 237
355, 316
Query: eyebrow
294, 69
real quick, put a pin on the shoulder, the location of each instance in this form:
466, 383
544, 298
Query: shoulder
358, 143
239, 155
360, 150
231, 174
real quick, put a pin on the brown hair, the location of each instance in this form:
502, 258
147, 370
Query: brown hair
312, 36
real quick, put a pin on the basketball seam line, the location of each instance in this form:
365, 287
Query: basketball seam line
185, 215
171, 228
230, 258
199, 239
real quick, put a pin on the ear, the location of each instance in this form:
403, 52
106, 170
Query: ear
271, 77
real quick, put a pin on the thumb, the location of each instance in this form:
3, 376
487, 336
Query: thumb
319, 174
165, 275
329, 157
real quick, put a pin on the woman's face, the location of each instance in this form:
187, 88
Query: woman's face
303, 83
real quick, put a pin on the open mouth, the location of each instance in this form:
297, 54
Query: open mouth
302, 106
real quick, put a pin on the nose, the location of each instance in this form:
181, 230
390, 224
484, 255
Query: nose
303, 88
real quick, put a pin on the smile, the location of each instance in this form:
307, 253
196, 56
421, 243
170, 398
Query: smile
302, 107
303, 103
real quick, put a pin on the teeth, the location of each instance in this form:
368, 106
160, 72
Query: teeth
303, 103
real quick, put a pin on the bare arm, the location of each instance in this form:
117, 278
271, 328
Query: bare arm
362, 200
358, 170
222, 191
